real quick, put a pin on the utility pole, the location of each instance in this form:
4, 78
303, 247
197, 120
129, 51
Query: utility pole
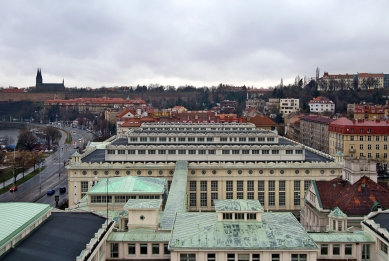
59, 161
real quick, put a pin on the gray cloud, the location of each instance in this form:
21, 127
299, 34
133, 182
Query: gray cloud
109, 43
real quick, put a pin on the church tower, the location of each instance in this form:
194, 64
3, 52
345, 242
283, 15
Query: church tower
39, 80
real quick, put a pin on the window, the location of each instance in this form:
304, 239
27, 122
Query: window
121, 152
377, 146
261, 139
192, 152
142, 152
202, 152
275, 257
230, 257
239, 185
161, 152
210, 139
377, 138
166, 250
239, 216
369, 155
203, 185
211, 257
289, 152
171, 151
131, 249
361, 130
243, 257
229, 185
131, 152
352, 138
191, 139
213, 197
235, 151
225, 152
211, 152
251, 216
151, 152
385, 138
227, 216
369, 146
181, 152
181, 139
361, 146
153, 139
365, 252
250, 185
299, 257
256, 257
385, 155
214, 185
264, 152
111, 151
155, 249
336, 249
324, 249
281, 196
133, 139
275, 152
255, 152
306, 184
162, 139
377, 155
223, 139
299, 151
200, 139
192, 199
272, 185
245, 152
360, 138
270, 139
114, 250
348, 249
242, 139
192, 185
272, 200
187, 257
383, 247
251, 139
203, 199
143, 139
369, 138
229, 195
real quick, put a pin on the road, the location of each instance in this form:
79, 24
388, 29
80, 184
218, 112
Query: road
53, 176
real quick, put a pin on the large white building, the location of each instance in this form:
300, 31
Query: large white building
321, 104
289, 105
225, 161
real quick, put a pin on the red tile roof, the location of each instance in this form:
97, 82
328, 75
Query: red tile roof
353, 199
262, 121
370, 75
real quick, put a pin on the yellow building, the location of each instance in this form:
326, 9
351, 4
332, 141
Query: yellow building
360, 139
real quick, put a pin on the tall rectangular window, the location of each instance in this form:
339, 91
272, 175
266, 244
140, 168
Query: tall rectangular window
275, 257
166, 250
324, 249
203, 199
114, 250
229, 185
192, 185
272, 185
306, 184
192, 199
348, 249
131, 249
299, 257
239, 185
211, 257
336, 249
213, 197
261, 192
203, 185
155, 249
214, 185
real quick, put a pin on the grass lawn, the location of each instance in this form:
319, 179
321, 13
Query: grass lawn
20, 181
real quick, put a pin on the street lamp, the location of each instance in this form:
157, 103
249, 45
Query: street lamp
59, 162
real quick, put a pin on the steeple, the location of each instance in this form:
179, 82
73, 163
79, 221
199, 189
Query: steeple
39, 80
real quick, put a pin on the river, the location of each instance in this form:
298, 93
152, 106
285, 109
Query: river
14, 133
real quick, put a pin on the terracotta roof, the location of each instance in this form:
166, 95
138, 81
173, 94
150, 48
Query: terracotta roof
370, 75
124, 112
264, 121
320, 99
346, 122
316, 119
353, 199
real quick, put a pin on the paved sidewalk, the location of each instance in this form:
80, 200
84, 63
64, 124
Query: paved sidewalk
30, 170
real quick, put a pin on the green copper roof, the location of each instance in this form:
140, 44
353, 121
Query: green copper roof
337, 213
143, 204
129, 185
17, 216
238, 205
139, 235
342, 237
317, 193
176, 202
76, 154
200, 230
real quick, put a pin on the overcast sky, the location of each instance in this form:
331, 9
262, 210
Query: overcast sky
125, 43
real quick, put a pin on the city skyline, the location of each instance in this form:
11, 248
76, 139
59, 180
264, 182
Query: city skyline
198, 43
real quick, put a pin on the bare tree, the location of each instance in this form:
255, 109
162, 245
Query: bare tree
27, 140
51, 135
36, 158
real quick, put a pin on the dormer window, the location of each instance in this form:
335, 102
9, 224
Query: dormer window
227, 216
239, 216
251, 216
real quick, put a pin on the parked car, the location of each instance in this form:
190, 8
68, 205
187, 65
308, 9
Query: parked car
13, 188
62, 190
50, 192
